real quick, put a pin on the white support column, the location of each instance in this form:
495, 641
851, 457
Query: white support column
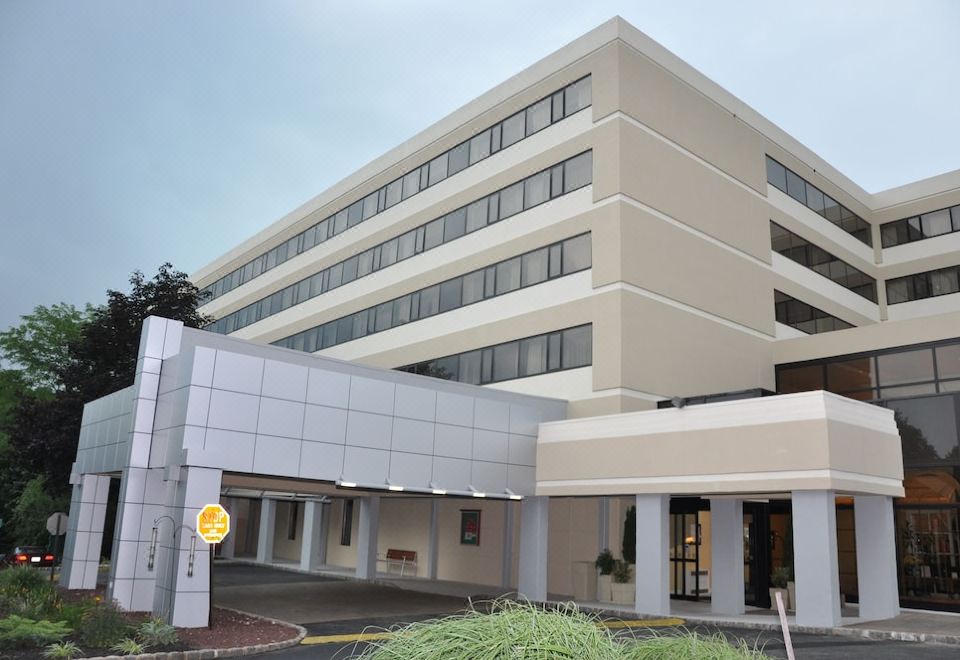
815, 558
653, 559
88, 508
268, 523
506, 558
182, 561
311, 537
142, 500
726, 572
534, 527
603, 528
876, 557
228, 547
324, 534
367, 537
433, 543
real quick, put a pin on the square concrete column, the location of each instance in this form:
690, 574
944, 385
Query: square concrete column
268, 523
433, 542
227, 548
142, 500
815, 558
312, 537
506, 557
876, 557
182, 562
653, 558
367, 537
534, 528
726, 529
81, 552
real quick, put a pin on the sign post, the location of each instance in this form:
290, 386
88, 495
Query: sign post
57, 526
213, 525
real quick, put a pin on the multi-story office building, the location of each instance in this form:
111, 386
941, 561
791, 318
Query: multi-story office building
612, 229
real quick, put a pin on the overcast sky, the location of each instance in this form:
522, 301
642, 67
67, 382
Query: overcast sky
133, 133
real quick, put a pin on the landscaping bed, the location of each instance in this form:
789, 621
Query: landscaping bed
38, 619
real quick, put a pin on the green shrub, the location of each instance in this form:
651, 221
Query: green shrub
63, 651
43, 602
18, 631
157, 633
103, 626
22, 579
605, 562
621, 572
690, 646
73, 613
129, 647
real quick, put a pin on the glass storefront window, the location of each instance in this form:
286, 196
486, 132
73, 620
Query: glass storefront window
948, 361
857, 374
800, 379
928, 428
905, 367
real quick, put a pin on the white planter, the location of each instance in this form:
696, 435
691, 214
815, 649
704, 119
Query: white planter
624, 593
604, 591
784, 594
584, 581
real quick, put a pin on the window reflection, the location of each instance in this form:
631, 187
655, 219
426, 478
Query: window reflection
928, 428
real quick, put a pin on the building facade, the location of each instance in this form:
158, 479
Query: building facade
611, 229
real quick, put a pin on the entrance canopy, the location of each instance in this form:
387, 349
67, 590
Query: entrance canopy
788, 443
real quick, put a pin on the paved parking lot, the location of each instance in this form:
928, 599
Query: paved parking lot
329, 607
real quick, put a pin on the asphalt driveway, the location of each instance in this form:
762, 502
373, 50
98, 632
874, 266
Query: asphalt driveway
309, 599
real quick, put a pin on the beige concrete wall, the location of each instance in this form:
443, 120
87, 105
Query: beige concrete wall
342, 555
573, 530
284, 547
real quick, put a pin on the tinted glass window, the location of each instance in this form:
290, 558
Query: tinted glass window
459, 158
800, 379
936, 223
534, 267
533, 356
776, 174
394, 192
411, 183
576, 254
796, 187
857, 374
512, 130
578, 172
477, 215
429, 301
511, 200
450, 295
505, 361
508, 276
479, 147
928, 429
538, 116
455, 225
576, 347
577, 96
401, 310
472, 287
370, 205
434, 234
470, 368
906, 367
406, 246
948, 361
388, 253
536, 190
438, 169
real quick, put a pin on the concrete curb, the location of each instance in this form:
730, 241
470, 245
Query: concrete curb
232, 652
862, 633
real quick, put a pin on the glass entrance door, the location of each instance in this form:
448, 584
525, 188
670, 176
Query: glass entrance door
756, 554
685, 541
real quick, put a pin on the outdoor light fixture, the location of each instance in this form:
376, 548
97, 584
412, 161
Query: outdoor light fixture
347, 484
512, 495
475, 492
193, 554
436, 490
152, 552
394, 487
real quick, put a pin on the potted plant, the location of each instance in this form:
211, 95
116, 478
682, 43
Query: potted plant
605, 563
778, 582
623, 591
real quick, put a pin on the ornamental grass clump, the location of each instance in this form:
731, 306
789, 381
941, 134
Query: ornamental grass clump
690, 645
513, 630
518, 631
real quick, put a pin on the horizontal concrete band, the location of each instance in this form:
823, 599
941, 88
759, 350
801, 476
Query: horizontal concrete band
727, 484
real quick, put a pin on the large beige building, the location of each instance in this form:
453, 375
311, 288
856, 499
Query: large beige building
612, 229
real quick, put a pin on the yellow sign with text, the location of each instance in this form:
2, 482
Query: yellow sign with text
213, 523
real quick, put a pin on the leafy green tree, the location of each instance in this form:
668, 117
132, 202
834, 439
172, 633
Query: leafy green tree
40, 346
31, 510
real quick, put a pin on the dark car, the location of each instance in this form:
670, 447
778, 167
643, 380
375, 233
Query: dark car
30, 555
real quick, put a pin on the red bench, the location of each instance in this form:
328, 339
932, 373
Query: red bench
401, 558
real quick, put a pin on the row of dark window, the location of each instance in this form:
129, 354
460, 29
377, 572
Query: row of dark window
919, 227
530, 120
805, 318
796, 248
532, 356
929, 284
912, 380
816, 200
547, 263
543, 186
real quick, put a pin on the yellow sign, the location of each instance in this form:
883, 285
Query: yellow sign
213, 523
